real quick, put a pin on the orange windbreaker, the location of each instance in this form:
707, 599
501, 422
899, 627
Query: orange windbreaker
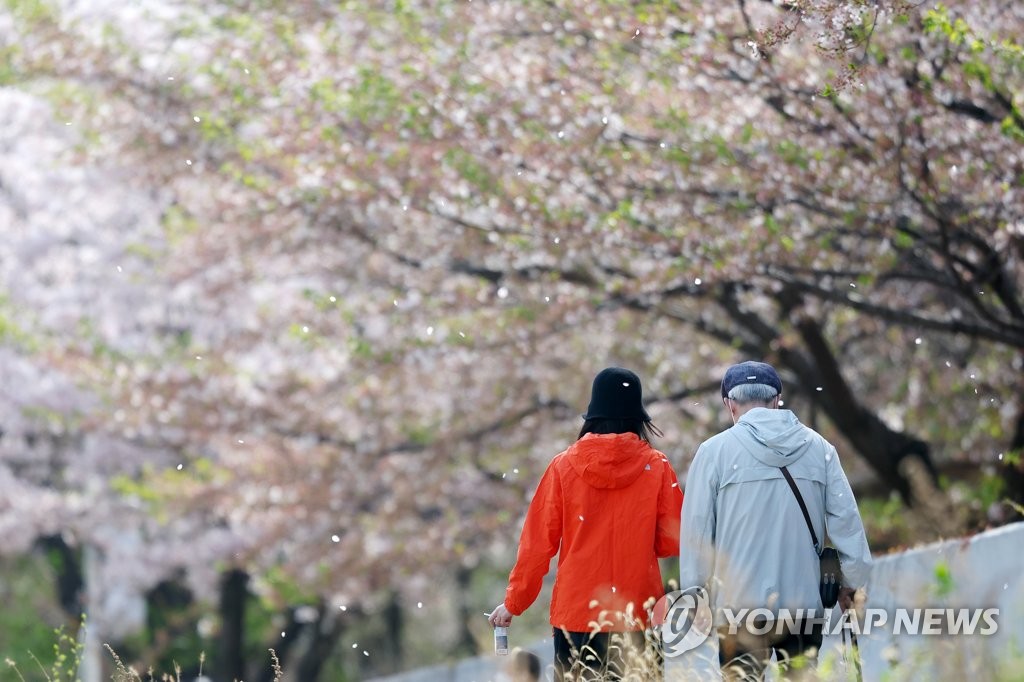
609, 505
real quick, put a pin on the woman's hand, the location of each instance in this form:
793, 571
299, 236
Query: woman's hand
500, 616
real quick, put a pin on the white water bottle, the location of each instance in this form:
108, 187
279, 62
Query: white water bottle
501, 641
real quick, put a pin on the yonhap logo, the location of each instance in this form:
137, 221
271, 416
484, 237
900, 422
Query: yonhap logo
685, 620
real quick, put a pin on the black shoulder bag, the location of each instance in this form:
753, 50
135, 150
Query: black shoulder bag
830, 570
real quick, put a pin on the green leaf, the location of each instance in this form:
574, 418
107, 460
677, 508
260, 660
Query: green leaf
943, 579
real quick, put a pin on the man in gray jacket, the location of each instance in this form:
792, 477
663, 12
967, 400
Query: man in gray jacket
743, 535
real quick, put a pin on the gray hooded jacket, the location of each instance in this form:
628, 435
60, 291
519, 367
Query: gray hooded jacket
743, 535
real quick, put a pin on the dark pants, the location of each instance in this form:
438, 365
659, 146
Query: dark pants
744, 656
604, 655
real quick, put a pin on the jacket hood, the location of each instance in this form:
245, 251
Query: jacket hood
785, 438
610, 460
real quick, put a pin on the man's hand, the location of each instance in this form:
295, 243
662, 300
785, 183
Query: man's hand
500, 616
846, 598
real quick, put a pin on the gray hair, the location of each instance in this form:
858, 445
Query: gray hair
744, 394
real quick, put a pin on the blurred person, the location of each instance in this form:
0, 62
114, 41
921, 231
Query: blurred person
522, 666
609, 507
744, 535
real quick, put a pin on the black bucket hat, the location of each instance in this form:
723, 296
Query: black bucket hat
616, 395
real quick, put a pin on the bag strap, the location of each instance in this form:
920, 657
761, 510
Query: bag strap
803, 507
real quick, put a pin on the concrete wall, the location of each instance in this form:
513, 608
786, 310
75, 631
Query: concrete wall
982, 571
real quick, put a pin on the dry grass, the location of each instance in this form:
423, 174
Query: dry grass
125, 673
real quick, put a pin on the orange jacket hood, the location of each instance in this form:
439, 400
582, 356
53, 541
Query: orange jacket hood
609, 460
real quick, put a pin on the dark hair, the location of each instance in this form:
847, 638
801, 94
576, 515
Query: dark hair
644, 429
527, 664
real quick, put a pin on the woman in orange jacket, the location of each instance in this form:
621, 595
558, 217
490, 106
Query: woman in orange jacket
609, 506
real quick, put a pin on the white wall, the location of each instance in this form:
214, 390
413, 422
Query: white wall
984, 571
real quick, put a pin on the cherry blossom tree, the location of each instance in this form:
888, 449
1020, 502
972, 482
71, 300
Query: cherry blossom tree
330, 282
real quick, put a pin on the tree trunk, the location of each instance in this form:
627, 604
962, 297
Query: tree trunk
234, 595
902, 462
1015, 469
466, 644
282, 647
67, 566
394, 623
882, 447
322, 637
